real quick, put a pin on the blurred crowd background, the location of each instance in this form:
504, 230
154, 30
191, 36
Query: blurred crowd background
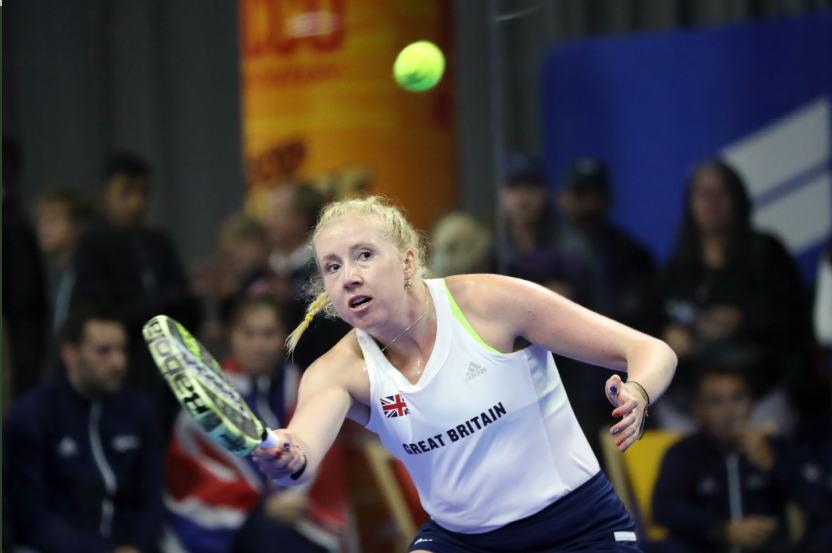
167, 157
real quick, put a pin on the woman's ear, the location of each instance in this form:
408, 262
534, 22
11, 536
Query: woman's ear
409, 264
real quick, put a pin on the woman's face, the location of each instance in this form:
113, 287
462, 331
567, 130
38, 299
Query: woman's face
363, 272
710, 202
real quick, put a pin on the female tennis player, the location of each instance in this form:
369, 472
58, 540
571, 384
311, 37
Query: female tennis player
457, 378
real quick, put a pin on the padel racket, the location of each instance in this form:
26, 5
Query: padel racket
203, 389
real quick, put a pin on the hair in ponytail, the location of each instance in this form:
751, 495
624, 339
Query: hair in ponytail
321, 302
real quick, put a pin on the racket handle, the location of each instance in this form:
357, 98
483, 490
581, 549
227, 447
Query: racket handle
271, 440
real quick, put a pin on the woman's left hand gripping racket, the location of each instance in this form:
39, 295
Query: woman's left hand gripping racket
203, 389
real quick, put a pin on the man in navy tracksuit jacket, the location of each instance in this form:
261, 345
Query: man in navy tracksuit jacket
724, 488
82, 456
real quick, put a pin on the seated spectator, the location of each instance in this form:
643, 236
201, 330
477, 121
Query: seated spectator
291, 213
722, 488
244, 245
529, 218
222, 503
731, 292
24, 289
459, 245
620, 272
61, 213
558, 272
121, 263
239, 269
82, 459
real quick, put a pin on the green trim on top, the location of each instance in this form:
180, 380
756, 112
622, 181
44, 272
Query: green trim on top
461, 318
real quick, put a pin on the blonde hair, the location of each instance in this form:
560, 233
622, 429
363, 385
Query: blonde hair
392, 225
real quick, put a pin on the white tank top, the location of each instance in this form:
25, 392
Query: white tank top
487, 437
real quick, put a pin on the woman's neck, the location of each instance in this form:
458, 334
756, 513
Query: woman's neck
412, 339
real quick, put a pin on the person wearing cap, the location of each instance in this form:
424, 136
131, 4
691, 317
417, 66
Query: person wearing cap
621, 270
528, 212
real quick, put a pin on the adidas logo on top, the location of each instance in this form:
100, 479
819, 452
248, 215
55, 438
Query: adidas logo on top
474, 371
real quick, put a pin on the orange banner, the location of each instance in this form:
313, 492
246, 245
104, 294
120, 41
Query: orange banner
320, 103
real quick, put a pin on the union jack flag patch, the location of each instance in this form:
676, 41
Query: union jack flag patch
394, 406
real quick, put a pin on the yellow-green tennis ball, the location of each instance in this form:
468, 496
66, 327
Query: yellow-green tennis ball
419, 66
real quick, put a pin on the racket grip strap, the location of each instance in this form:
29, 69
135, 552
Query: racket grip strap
271, 440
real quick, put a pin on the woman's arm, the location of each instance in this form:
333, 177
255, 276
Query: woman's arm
323, 404
554, 323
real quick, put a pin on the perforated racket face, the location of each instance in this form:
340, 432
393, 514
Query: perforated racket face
202, 387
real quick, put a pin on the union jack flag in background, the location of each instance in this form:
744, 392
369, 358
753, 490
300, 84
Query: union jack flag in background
394, 406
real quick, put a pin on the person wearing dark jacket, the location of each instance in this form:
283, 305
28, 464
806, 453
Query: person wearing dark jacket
82, 465
25, 309
134, 270
723, 488
620, 270
733, 293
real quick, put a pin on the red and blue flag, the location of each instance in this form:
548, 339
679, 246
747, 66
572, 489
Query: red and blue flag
394, 406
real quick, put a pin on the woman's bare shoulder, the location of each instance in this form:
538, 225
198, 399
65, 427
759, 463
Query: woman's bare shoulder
483, 293
342, 366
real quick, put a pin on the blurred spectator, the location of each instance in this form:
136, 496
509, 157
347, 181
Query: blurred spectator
619, 270
731, 292
82, 463
24, 289
290, 214
61, 213
240, 268
121, 263
552, 268
222, 503
529, 219
823, 300
459, 245
244, 244
723, 487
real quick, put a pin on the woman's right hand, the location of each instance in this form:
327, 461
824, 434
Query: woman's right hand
279, 463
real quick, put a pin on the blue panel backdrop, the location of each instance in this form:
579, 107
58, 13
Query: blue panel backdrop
651, 106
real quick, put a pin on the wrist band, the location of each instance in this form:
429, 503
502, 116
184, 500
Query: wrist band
299, 473
643, 391
646, 414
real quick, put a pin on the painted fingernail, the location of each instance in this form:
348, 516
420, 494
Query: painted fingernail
278, 453
613, 390
287, 446
615, 431
619, 442
297, 447
615, 413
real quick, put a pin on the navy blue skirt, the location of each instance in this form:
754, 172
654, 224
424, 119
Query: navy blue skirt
591, 518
